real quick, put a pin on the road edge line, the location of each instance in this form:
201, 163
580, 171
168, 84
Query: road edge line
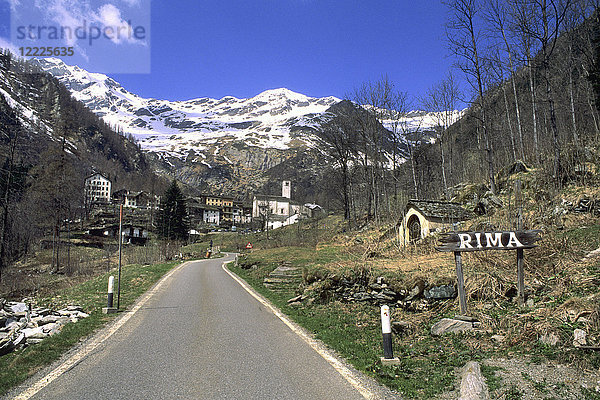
316, 345
95, 340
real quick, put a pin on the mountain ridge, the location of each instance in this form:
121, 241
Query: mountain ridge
225, 145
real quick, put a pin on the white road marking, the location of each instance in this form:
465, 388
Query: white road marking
316, 345
94, 343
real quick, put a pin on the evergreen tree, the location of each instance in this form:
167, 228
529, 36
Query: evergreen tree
172, 221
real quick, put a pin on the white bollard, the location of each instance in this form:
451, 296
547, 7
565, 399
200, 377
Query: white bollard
110, 309
111, 284
386, 330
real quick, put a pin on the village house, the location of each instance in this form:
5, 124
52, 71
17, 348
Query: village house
132, 199
211, 215
312, 210
132, 233
242, 213
97, 189
211, 210
195, 208
216, 210
425, 217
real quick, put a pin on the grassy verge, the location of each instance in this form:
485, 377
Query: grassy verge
562, 287
353, 330
16, 367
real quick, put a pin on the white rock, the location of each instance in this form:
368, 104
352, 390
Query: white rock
499, 338
42, 311
35, 333
550, 338
12, 324
17, 307
55, 329
51, 329
447, 325
49, 319
579, 336
472, 385
32, 324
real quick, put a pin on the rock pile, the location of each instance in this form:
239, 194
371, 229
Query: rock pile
418, 297
22, 325
585, 205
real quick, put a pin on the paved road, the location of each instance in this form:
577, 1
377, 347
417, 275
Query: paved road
201, 336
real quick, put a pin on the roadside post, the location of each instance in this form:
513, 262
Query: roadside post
520, 271
386, 329
120, 253
109, 308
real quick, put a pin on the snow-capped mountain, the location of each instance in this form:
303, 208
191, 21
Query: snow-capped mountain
41, 121
276, 119
220, 144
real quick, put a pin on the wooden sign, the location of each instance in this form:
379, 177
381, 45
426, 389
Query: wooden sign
478, 241
458, 242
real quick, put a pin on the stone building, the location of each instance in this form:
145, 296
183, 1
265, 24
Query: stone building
425, 217
137, 199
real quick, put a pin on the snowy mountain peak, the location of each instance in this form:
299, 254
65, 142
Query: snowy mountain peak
275, 118
203, 128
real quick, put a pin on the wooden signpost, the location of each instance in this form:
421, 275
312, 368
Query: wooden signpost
458, 242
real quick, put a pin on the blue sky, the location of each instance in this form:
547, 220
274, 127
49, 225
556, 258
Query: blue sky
205, 48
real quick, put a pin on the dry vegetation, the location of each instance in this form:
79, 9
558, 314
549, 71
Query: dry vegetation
84, 259
561, 291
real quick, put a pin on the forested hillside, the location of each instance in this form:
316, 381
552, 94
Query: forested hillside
536, 64
49, 143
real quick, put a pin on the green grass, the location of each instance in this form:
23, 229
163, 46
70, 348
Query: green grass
352, 329
590, 394
513, 393
493, 381
16, 367
584, 237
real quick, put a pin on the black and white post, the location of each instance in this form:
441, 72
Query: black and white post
110, 308
111, 284
386, 329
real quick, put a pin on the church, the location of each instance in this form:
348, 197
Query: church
276, 211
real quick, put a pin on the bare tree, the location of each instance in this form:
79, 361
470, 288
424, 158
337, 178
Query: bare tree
498, 16
413, 125
496, 66
398, 109
522, 16
464, 35
548, 18
10, 133
338, 143
376, 98
442, 99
